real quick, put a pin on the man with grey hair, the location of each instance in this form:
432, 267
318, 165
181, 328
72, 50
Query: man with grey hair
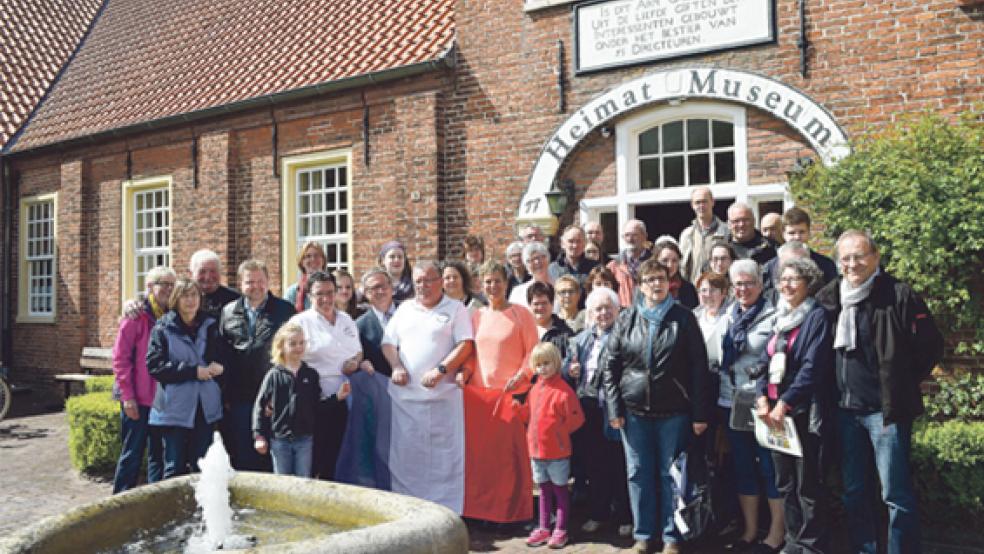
532, 233
695, 241
594, 232
885, 344
625, 266
426, 342
572, 260
747, 241
206, 270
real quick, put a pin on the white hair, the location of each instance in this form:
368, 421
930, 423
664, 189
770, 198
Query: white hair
745, 267
635, 223
598, 295
202, 257
534, 248
514, 248
155, 274
735, 206
795, 248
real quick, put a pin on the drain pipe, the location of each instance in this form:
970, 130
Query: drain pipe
7, 199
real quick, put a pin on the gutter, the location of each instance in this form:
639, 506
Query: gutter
445, 61
7, 199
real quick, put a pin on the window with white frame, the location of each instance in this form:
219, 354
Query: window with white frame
146, 231
38, 261
316, 194
323, 213
687, 152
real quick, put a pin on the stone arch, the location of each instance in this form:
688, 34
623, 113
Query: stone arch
806, 116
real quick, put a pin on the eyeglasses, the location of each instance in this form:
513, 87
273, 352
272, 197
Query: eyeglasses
164, 284
379, 288
567, 292
791, 280
654, 279
745, 284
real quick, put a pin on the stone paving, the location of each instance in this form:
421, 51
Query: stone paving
37, 480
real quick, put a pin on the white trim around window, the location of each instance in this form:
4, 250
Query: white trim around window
37, 298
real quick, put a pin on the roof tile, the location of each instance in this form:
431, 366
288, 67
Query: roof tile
151, 59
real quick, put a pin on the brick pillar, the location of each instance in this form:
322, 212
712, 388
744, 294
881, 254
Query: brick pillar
417, 118
70, 326
200, 213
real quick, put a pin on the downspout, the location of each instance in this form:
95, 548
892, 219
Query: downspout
7, 199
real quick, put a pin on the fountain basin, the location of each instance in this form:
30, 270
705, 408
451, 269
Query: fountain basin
376, 521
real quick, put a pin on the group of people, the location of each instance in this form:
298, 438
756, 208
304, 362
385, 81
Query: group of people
467, 382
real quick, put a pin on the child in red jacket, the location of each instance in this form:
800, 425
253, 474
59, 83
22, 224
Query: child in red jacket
552, 412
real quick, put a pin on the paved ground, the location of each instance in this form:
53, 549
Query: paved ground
37, 480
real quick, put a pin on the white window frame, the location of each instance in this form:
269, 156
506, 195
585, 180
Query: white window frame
628, 194
25, 313
292, 239
130, 248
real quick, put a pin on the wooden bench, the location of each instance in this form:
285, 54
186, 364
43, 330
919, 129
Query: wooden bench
94, 361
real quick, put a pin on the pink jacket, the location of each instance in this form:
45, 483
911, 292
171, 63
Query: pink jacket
130, 360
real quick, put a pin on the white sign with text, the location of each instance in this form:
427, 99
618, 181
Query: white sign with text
623, 32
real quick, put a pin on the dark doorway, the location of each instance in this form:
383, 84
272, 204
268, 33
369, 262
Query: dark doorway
672, 218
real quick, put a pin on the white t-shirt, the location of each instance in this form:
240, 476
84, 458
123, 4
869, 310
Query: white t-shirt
328, 346
424, 337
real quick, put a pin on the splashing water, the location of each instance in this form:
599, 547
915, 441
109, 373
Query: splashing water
212, 495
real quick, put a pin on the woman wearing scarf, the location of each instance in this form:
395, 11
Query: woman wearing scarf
751, 322
668, 254
311, 258
393, 258
656, 388
797, 383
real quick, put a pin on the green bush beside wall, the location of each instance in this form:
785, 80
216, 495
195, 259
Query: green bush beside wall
100, 383
94, 431
947, 460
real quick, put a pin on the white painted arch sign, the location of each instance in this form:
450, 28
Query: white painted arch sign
800, 112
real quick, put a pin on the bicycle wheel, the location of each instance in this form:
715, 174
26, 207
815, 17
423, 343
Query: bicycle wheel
5, 398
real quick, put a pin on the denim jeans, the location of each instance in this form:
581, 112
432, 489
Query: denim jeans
184, 447
754, 471
137, 436
865, 437
651, 445
240, 430
292, 456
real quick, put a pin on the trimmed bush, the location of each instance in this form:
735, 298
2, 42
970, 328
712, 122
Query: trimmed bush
100, 383
947, 459
94, 432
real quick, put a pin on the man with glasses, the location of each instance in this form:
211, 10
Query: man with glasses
746, 240
885, 344
572, 260
426, 342
696, 240
625, 266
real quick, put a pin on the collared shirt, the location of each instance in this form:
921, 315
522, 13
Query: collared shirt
384, 317
328, 346
252, 314
424, 337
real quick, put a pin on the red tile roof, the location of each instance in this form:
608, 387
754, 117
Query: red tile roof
147, 60
36, 39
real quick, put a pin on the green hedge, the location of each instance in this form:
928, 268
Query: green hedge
94, 431
100, 383
947, 460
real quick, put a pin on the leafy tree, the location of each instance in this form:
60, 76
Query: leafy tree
918, 187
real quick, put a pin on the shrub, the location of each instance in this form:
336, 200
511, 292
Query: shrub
947, 459
958, 397
918, 187
94, 432
100, 383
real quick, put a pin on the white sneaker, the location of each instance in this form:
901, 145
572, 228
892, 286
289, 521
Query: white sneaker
590, 526
625, 530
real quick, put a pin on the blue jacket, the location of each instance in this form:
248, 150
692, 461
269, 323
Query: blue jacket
173, 358
809, 377
371, 336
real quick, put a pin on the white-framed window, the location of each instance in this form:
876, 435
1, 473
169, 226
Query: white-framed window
687, 152
317, 207
38, 259
146, 230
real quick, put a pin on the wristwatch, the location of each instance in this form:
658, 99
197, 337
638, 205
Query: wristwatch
442, 368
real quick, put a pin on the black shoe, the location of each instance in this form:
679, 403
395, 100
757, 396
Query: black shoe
741, 545
762, 548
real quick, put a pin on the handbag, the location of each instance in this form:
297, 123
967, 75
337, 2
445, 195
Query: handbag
693, 508
742, 404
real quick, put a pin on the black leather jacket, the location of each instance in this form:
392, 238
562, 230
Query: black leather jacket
675, 381
247, 357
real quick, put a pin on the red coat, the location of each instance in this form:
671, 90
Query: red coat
552, 412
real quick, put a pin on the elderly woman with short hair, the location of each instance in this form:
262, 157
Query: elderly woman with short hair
799, 384
751, 318
536, 258
181, 358
135, 386
515, 269
656, 388
596, 444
